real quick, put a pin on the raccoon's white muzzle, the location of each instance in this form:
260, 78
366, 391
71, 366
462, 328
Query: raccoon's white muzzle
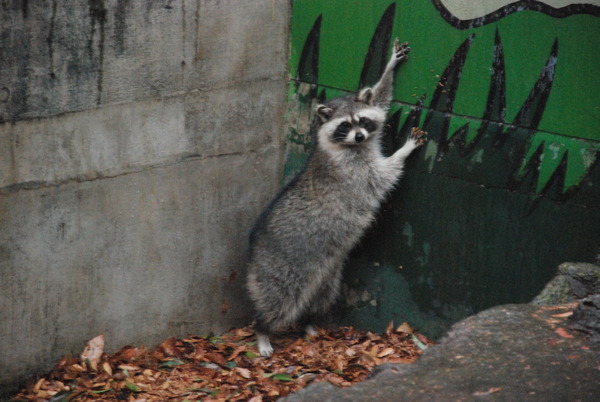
357, 136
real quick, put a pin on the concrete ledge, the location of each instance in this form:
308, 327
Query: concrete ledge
120, 139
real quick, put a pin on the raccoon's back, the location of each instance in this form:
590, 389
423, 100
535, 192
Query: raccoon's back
319, 214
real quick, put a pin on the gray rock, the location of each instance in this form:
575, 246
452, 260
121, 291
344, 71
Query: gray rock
586, 317
574, 281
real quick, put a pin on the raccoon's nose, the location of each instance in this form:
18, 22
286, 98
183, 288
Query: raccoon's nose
359, 137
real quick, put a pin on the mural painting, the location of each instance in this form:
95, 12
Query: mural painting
508, 185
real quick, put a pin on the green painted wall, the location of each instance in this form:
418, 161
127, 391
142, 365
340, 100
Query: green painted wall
508, 185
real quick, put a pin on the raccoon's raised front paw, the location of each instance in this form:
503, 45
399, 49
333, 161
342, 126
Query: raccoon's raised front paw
401, 50
418, 136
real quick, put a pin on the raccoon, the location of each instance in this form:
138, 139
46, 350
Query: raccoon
300, 242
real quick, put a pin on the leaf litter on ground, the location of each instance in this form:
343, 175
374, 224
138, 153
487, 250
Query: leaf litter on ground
220, 368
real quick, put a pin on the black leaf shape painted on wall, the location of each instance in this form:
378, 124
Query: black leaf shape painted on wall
442, 102
377, 55
308, 65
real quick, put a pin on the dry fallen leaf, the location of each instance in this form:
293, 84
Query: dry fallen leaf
107, 368
243, 332
563, 333
488, 392
563, 315
386, 352
244, 372
404, 327
93, 351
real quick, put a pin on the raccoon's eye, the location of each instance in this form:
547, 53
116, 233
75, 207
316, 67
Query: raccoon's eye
367, 124
345, 125
342, 131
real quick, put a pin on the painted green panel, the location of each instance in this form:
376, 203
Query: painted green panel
508, 185
527, 37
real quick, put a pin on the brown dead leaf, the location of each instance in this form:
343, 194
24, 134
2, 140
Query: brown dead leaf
107, 369
563, 333
38, 385
247, 374
563, 315
129, 367
367, 357
243, 333
127, 353
93, 351
405, 328
216, 358
488, 392
76, 368
386, 352
565, 306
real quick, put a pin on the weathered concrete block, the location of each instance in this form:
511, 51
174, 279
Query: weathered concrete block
138, 142
108, 141
94, 143
132, 257
229, 47
238, 119
59, 57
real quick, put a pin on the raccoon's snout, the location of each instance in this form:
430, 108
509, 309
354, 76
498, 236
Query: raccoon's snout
359, 137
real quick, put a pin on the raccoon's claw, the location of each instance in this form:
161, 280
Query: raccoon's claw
401, 50
418, 136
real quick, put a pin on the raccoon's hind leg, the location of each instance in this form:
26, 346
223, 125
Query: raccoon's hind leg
322, 301
263, 342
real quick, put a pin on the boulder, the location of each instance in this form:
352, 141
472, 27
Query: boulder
574, 281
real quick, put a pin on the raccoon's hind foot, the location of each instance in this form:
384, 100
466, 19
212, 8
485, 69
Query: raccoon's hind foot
264, 344
310, 330
401, 50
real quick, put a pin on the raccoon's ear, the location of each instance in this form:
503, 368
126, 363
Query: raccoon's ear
366, 96
324, 112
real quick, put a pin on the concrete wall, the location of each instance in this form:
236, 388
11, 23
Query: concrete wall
138, 142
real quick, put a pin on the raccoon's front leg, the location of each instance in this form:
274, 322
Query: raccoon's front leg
381, 94
416, 138
394, 165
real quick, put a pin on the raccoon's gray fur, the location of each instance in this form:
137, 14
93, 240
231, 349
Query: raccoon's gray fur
299, 243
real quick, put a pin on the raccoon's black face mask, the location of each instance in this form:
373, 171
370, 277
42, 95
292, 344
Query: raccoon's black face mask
356, 130
349, 120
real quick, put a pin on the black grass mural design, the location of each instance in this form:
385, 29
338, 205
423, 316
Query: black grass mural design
505, 144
